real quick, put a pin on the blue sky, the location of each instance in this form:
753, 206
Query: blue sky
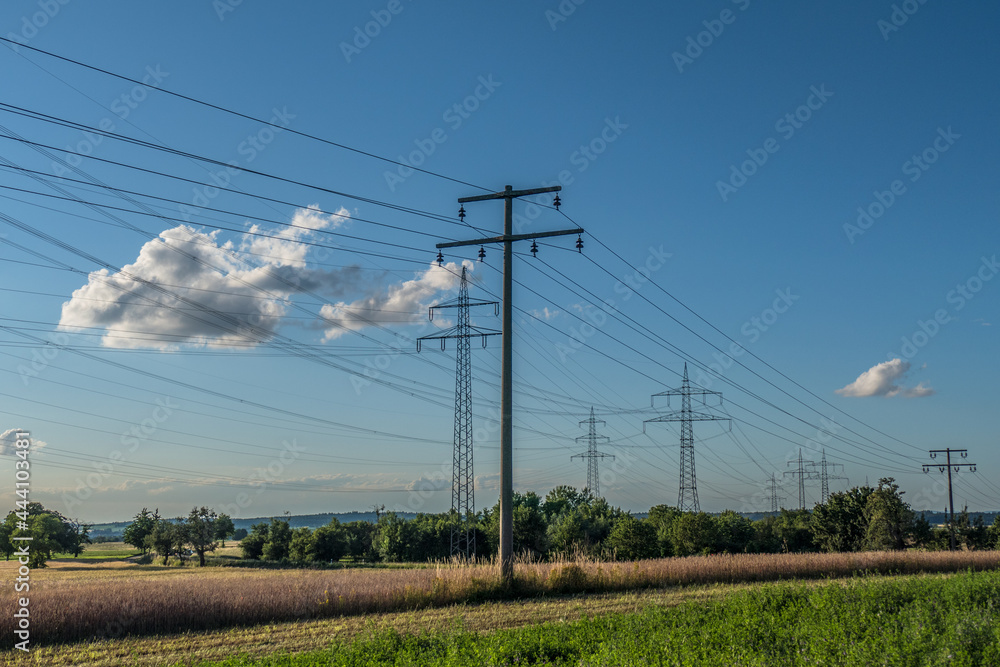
813, 181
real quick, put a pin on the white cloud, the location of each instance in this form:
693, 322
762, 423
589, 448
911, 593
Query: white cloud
9, 437
882, 380
545, 313
228, 294
283, 248
401, 303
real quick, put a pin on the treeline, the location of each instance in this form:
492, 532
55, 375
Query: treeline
568, 522
50, 533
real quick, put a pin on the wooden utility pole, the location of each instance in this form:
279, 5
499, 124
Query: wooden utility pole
506, 381
948, 466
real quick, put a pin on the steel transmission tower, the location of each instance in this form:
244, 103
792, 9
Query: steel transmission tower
824, 475
687, 496
773, 496
463, 534
803, 474
592, 455
508, 238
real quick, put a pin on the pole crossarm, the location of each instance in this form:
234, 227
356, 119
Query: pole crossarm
509, 193
456, 332
512, 237
691, 416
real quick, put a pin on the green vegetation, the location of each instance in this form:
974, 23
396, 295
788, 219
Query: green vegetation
50, 531
570, 523
916, 621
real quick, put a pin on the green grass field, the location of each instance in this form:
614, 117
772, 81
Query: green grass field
922, 620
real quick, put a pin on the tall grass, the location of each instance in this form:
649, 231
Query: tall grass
134, 603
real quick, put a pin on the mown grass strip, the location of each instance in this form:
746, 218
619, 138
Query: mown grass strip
912, 621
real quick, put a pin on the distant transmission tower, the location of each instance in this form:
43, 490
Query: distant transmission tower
687, 495
463, 534
592, 455
824, 475
773, 496
803, 474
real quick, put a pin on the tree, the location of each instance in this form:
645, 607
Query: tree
974, 533
302, 546
360, 541
142, 525
889, 518
163, 538
695, 533
7, 547
331, 541
279, 538
735, 533
662, 518
253, 544
529, 526
239, 534
793, 528
224, 528
633, 539
51, 533
200, 532
841, 523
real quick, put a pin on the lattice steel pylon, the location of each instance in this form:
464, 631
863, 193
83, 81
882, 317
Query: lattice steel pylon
463, 534
824, 475
772, 496
801, 472
687, 494
592, 455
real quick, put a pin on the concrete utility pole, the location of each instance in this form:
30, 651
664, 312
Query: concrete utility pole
506, 380
948, 467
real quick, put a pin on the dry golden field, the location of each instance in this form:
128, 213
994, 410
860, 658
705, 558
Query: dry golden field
96, 610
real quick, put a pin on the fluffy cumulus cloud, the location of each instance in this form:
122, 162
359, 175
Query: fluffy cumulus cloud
186, 288
284, 248
884, 380
404, 302
190, 288
9, 437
